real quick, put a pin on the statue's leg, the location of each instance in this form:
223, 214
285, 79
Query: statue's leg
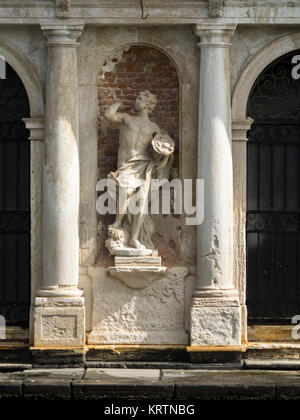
138, 220
122, 205
137, 224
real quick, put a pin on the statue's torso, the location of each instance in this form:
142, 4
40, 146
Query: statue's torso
136, 134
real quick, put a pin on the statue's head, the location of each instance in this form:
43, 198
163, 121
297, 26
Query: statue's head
145, 101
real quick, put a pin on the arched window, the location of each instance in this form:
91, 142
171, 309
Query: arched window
273, 193
14, 200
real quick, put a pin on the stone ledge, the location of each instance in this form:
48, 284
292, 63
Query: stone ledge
58, 357
47, 389
137, 353
224, 392
165, 365
14, 367
205, 349
10, 388
137, 384
93, 389
284, 365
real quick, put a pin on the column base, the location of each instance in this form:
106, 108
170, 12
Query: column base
60, 291
59, 322
216, 319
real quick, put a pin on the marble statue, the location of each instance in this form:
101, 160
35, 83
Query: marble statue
145, 153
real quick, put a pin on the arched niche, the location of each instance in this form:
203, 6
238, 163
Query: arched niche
121, 78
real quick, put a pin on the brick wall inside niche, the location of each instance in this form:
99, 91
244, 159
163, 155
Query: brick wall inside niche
121, 78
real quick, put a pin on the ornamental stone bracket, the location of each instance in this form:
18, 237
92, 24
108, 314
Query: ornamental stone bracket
137, 272
63, 8
216, 8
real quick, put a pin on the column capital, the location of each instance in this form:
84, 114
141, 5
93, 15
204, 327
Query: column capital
215, 34
36, 128
62, 35
240, 128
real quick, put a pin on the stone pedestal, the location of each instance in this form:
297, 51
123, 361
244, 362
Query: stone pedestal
153, 315
216, 313
59, 307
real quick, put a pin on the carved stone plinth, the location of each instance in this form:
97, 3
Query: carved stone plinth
216, 319
131, 252
59, 322
137, 272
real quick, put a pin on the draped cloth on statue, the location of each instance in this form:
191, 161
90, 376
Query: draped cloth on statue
140, 169
135, 177
134, 173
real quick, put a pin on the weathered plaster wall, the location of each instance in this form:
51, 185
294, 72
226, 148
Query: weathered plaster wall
29, 43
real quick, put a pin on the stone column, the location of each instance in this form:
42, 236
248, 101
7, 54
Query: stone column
239, 152
216, 313
59, 312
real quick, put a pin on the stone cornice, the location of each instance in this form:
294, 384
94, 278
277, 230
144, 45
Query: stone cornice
161, 12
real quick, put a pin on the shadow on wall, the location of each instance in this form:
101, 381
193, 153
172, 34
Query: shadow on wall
122, 78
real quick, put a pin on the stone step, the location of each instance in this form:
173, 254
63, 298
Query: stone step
272, 364
137, 384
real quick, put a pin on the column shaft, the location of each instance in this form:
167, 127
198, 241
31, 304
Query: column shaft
216, 312
61, 172
59, 312
215, 234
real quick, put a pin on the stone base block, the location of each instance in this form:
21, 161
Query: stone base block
150, 316
215, 325
59, 322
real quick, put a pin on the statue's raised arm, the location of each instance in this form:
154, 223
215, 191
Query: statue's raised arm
113, 116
